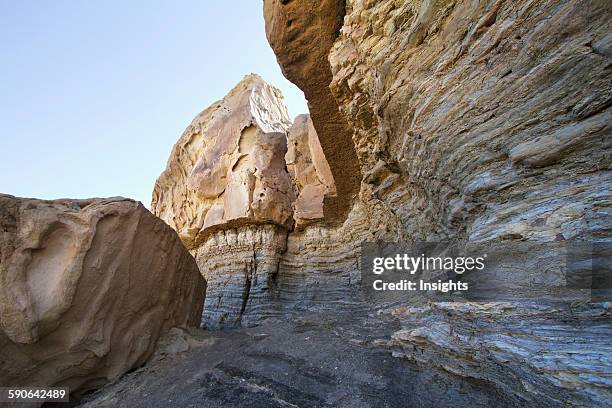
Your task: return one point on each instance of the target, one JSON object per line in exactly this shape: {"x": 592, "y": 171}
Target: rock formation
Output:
{"x": 309, "y": 171}
{"x": 302, "y": 33}
{"x": 228, "y": 167}
{"x": 280, "y": 254}
{"x": 480, "y": 116}
{"x": 477, "y": 122}
{"x": 86, "y": 289}
{"x": 228, "y": 192}
{"x": 481, "y": 123}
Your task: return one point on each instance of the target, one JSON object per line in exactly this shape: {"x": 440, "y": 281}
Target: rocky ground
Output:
{"x": 313, "y": 361}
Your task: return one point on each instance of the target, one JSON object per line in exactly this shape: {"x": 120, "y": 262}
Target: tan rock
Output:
{"x": 309, "y": 171}
{"x": 86, "y": 289}
{"x": 228, "y": 167}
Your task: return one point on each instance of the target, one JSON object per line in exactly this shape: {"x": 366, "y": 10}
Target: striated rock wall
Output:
{"x": 486, "y": 120}
{"x": 241, "y": 267}
{"x": 87, "y": 287}
{"x": 478, "y": 122}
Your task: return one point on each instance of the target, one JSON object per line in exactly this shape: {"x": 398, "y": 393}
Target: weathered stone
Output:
{"x": 476, "y": 122}
{"x": 227, "y": 192}
{"x": 241, "y": 269}
{"x": 232, "y": 189}
{"x": 228, "y": 167}
{"x": 309, "y": 170}
{"x": 482, "y": 121}
{"x": 540, "y": 354}
{"x": 479, "y": 115}
{"x": 86, "y": 289}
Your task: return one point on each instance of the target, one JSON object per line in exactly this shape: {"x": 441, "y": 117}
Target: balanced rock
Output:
{"x": 241, "y": 187}
{"x": 87, "y": 287}
{"x": 227, "y": 192}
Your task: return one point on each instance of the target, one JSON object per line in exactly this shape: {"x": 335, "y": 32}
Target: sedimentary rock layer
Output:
{"x": 241, "y": 269}
{"x": 86, "y": 289}
{"x": 481, "y": 120}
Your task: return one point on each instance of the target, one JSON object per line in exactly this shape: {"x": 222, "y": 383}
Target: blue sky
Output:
{"x": 94, "y": 94}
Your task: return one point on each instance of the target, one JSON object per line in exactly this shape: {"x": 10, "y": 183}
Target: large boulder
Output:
{"x": 87, "y": 287}
{"x": 228, "y": 167}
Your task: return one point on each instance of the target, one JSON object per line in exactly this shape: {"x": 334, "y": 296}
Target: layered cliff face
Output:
{"x": 87, "y": 287}
{"x": 477, "y": 122}
{"x": 483, "y": 123}
{"x": 234, "y": 191}
{"x": 491, "y": 118}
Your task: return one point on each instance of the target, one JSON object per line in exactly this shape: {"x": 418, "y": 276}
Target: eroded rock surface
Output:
{"x": 87, "y": 287}
{"x": 227, "y": 192}
{"x": 241, "y": 200}
{"x": 481, "y": 119}
{"x": 241, "y": 268}
{"x": 477, "y": 122}
{"x": 228, "y": 167}
{"x": 309, "y": 170}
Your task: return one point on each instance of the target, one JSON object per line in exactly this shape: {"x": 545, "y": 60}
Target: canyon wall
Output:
{"x": 480, "y": 123}
{"x": 87, "y": 287}
{"x": 306, "y": 30}
{"x": 491, "y": 118}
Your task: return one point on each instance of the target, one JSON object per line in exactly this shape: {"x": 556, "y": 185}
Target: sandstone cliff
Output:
{"x": 87, "y": 287}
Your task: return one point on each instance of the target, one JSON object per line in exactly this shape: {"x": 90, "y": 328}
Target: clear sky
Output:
{"x": 94, "y": 94}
